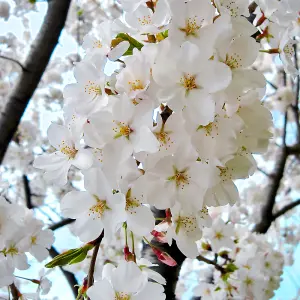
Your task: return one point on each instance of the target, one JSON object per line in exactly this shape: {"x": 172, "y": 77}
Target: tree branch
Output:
{"x": 61, "y": 224}
{"x": 295, "y": 106}
{"x": 267, "y": 210}
{"x": 211, "y": 262}
{"x": 68, "y": 275}
{"x": 14, "y": 291}
{"x": 97, "y": 244}
{"x": 35, "y": 66}
{"x": 15, "y": 61}
{"x": 27, "y": 192}
{"x": 285, "y": 209}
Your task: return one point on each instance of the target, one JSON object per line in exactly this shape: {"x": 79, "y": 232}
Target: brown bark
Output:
{"x": 32, "y": 71}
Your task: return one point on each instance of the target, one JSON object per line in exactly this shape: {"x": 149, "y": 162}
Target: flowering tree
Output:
{"x": 162, "y": 152}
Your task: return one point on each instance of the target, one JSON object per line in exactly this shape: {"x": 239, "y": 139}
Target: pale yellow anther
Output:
{"x": 136, "y": 85}
{"x": 67, "y": 150}
{"x": 145, "y": 20}
{"x": 191, "y": 27}
{"x": 99, "y": 208}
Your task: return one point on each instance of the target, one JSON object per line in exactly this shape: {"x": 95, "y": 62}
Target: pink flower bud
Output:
{"x": 164, "y": 257}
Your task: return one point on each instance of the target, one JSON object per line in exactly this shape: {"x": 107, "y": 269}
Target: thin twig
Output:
{"x": 61, "y": 224}
{"x": 15, "y": 61}
{"x": 97, "y": 244}
{"x": 272, "y": 85}
{"x": 211, "y": 262}
{"x": 263, "y": 172}
{"x": 285, "y": 209}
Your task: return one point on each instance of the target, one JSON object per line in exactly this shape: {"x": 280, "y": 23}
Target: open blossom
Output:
{"x": 187, "y": 229}
{"x": 220, "y": 235}
{"x": 67, "y": 153}
{"x": 127, "y": 127}
{"x": 178, "y": 178}
{"x": 90, "y": 87}
{"x": 144, "y": 20}
{"x": 98, "y": 46}
{"x": 189, "y": 84}
{"x": 126, "y": 281}
{"x": 95, "y": 209}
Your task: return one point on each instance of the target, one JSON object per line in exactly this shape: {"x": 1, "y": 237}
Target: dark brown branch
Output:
{"x": 97, "y": 244}
{"x": 252, "y": 7}
{"x": 14, "y": 291}
{"x": 295, "y": 106}
{"x": 14, "y": 61}
{"x": 267, "y": 210}
{"x": 68, "y": 275}
{"x": 35, "y": 65}
{"x": 61, "y": 224}
{"x": 27, "y": 192}
{"x": 285, "y": 209}
{"x": 211, "y": 262}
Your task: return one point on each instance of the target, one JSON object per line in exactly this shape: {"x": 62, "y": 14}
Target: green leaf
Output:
{"x": 80, "y": 12}
{"x": 32, "y": 1}
{"x": 70, "y": 257}
{"x": 231, "y": 268}
{"x": 133, "y": 42}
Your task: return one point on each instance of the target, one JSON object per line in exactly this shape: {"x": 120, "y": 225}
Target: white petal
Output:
{"x": 118, "y": 51}
{"x": 101, "y": 290}
{"x": 83, "y": 159}
{"x": 140, "y": 220}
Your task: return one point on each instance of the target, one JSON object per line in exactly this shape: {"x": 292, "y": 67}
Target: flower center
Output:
{"x": 289, "y": 49}
{"x": 122, "y": 296}
{"x": 191, "y": 27}
{"x": 164, "y": 139}
{"x": 187, "y": 223}
{"x": 97, "y": 44}
{"x": 219, "y": 235}
{"x": 92, "y": 88}
{"x": 33, "y": 240}
{"x": 99, "y": 208}
{"x": 145, "y": 20}
{"x": 136, "y": 85}
{"x": 224, "y": 173}
{"x": 233, "y": 61}
{"x": 209, "y": 128}
{"x": 131, "y": 202}
{"x": 12, "y": 250}
{"x": 67, "y": 150}
{"x": 188, "y": 81}
{"x": 233, "y": 8}
{"x": 181, "y": 178}
{"x": 122, "y": 129}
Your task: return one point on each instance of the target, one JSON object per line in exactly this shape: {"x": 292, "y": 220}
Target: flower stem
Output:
{"x": 97, "y": 244}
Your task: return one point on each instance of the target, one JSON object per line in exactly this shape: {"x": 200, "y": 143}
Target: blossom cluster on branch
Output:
{"x": 165, "y": 112}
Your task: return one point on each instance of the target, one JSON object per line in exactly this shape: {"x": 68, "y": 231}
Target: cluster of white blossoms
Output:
{"x": 248, "y": 266}
{"x": 21, "y": 234}
{"x": 176, "y": 122}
